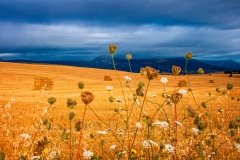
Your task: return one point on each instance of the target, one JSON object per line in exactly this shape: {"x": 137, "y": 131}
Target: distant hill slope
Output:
{"x": 162, "y": 64}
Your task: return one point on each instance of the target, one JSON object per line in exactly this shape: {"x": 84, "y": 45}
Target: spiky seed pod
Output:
{"x": 71, "y": 115}
{"x": 80, "y": 85}
{"x": 87, "y": 97}
{"x": 176, "y": 70}
{"x": 51, "y": 100}
{"x": 149, "y": 72}
{"x": 71, "y": 103}
{"x": 140, "y": 85}
{"x": 218, "y": 90}
{"x": 111, "y": 99}
{"x": 229, "y": 86}
{"x": 112, "y": 48}
{"x": 176, "y": 98}
{"x": 128, "y": 56}
{"x": 2, "y": 156}
{"x": 140, "y": 92}
{"x": 204, "y": 104}
{"x": 188, "y": 55}
{"x": 78, "y": 125}
{"x": 200, "y": 71}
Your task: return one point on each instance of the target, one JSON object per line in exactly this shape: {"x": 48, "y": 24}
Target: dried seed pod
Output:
{"x": 87, "y": 97}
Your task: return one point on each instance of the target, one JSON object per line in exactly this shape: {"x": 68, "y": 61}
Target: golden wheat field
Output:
{"x": 25, "y": 110}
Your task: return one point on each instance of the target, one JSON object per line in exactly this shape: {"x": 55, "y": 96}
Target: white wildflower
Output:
{"x": 161, "y": 124}
{"x": 109, "y": 88}
{"x": 53, "y": 154}
{"x": 148, "y": 143}
{"x": 102, "y": 132}
{"x": 179, "y": 123}
{"x": 35, "y": 157}
{"x": 169, "y": 148}
{"x": 182, "y": 91}
{"x": 128, "y": 78}
{"x": 45, "y": 111}
{"x": 153, "y": 95}
{"x": 112, "y": 147}
{"x": 118, "y": 100}
{"x": 195, "y": 131}
{"x": 25, "y": 136}
{"x": 138, "y": 103}
{"x": 164, "y": 80}
{"x": 12, "y": 100}
{"x": 8, "y": 105}
{"x": 237, "y": 146}
{"x": 87, "y": 154}
{"x": 138, "y": 125}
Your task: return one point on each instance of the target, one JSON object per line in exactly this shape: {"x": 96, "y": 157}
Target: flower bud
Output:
{"x": 112, "y": 48}
{"x": 176, "y": 70}
{"x": 128, "y": 56}
{"x": 188, "y": 55}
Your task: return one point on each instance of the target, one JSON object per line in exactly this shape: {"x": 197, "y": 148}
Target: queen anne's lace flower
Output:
{"x": 102, "y": 132}
{"x": 148, "y": 143}
{"x": 237, "y": 146}
{"x": 113, "y": 147}
{"x": 164, "y": 80}
{"x": 25, "y": 136}
{"x": 109, "y": 88}
{"x": 87, "y": 154}
{"x": 128, "y": 78}
{"x": 160, "y": 124}
{"x": 179, "y": 123}
{"x": 195, "y": 131}
{"x": 182, "y": 91}
{"x": 169, "y": 148}
{"x": 138, "y": 125}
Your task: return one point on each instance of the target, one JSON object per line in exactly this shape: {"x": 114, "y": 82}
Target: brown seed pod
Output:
{"x": 87, "y": 97}
{"x": 176, "y": 98}
{"x": 176, "y": 70}
{"x": 149, "y": 72}
{"x": 112, "y": 48}
{"x": 188, "y": 55}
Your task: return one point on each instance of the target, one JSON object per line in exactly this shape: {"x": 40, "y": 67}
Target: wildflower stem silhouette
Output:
{"x": 99, "y": 118}
{"x": 81, "y": 132}
{"x": 129, "y": 64}
{"x": 38, "y": 129}
{"x": 189, "y": 85}
{"x": 70, "y": 147}
{"x": 140, "y": 115}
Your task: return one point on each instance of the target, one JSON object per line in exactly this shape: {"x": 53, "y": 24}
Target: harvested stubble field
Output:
{"x": 26, "y": 106}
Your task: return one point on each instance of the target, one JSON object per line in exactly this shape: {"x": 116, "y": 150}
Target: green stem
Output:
{"x": 70, "y": 139}
{"x": 129, "y": 64}
{"x": 140, "y": 115}
{"x": 81, "y": 132}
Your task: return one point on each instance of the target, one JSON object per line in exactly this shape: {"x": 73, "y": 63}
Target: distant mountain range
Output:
{"x": 162, "y": 64}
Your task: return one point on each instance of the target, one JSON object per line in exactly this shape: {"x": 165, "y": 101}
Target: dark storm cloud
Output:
{"x": 216, "y": 13}
{"x": 58, "y": 29}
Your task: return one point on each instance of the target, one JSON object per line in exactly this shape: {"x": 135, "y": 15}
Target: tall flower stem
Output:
{"x": 70, "y": 139}
{"x": 81, "y": 132}
{"x": 37, "y": 131}
{"x": 114, "y": 66}
{"x": 140, "y": 115}
{"x": 129, "y": 64}
{"x": 186, "y": 72}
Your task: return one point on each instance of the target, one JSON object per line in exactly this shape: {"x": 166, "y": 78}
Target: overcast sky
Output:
{"x": 78, "y": 29}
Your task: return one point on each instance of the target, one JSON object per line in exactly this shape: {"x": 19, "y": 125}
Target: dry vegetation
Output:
{"x": 33, "y": 125}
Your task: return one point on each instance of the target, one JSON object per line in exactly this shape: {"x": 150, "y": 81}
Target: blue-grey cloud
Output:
{"x": 62, "y": 40}
{"x": 215, "y": 13}
{"x": 60, "y": 29}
